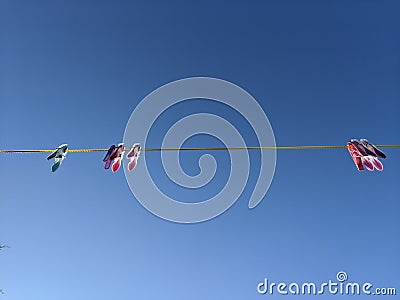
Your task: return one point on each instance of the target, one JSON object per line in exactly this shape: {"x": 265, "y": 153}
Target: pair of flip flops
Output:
{"x": 59, "y": 154}
{"x": 133, "y": 156}
{"x": 365, "y": 154}
{"x": 114, "y": 155}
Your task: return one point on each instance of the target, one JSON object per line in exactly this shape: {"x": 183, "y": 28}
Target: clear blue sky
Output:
{"x": 73, "y": 71}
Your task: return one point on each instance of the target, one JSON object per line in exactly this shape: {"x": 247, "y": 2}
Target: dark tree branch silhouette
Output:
{"x": 2, "y": 247}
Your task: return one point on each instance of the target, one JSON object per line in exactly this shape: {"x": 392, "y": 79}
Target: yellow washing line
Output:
{"x": 198, "y": 149}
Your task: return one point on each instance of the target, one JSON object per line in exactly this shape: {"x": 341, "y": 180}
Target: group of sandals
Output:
{"x": 364, "y": 154}
{"x": 113, "y": 158}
